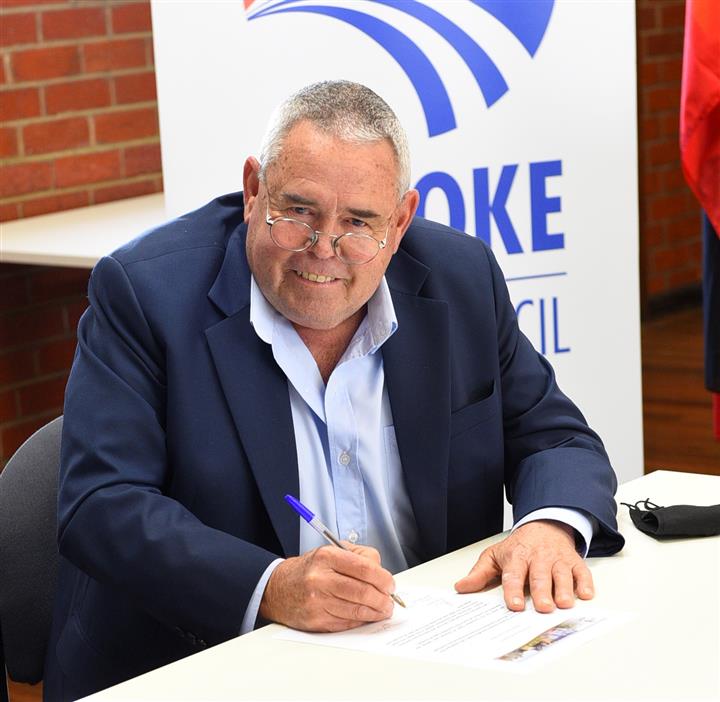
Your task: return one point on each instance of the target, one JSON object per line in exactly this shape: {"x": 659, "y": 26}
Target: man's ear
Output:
{"x": 405, "y": 213}
{"x": 251, "y": 184}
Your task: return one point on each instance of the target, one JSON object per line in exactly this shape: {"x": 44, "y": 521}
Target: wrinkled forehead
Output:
{"x": 316, "y": 164}
{"x": 308, "y": 151}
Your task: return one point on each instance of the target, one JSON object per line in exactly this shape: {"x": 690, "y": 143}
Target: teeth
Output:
{"x": 315, "y": 278}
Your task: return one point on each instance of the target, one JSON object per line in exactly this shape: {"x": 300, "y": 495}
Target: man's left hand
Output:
{"x": 541, "y": 554}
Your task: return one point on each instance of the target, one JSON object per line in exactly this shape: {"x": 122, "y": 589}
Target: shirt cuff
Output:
{"x": 584, "y": 524}
{"x": 248, "y": 622}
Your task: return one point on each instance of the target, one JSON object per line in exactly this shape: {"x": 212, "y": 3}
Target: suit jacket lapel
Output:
{"x": 417, "y": 370}
{"x": 256, "y": 392}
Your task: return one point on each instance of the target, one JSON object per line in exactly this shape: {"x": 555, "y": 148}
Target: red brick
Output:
{"x": 646, "y": 18}
{"x": 686, "y": 228}
{"x": 655, "y": 285}
{"x": 649, "y": 73}
{"x": 88, "y": 168}
{"x": 663, "y": 44}
{"x": 8, "y": 406}
{"x": 55, "y": 283}
{"x": 56, "y": 135}
{"x": 22, "y": 178}
{"x": 142, "y": 159}
{"x": 671, "y": 259}
{"x": 673, "y": 179}
{"x": 667, "y": 206}
{"x": 17, "y": 29}
{"x": 14, "y": 292}
{"x": 14, "y": 436}
{"x": 5, "y": 4}
{"x": 77, "y": 95}
{"x": 650, "y": 183}
{"x": 664, "y": 152}
{"x": 2, "y": 72}
{"x": 25, "y": 326}
{"x": 56, "y": 356}
{"x": 670, "y": 70}
{"x": 16, "y": 367}
{"x": 663, "y": 98}
{"x": 73, "y": 23}
{"x": 652, "y": 236}
{"x": 649, "y": 128}
{"x": 19, "y": 104}
{"x": 695, "y": 251}
{"x": 9, "y": 211}
{"x": 125, "y": 190}
{"x": 48, "y": 62}
{"x": 42, "y": 396}
{"x": 8, "y": 142}
{"x": 689, "y": 276}
{"x": 55, "y": 203}
{"x": 672, "y": 15}
{"x": 670, "y": 124}
{"x": 74, "y": 311}
{"x": 125, "y": 126}
{"x": 114, "y": 55}
{"x": 133, "y": 17}
{"x": 136, "y": 87}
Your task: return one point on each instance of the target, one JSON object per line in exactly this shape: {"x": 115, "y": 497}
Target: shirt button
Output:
{"x": 353, "y": 536}
{"x": 344, "y": 458}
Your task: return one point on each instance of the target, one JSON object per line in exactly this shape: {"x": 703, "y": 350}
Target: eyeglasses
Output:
{"x": 353, "y": 248}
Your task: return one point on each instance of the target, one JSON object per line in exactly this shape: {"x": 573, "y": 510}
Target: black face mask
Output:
{"x": 675, "y": 521}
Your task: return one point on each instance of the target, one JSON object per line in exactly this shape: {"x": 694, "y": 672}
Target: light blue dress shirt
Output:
{"x": 348, "y": 459}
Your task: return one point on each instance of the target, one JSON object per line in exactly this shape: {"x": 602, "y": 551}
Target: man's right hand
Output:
{"x": 328, "y": 589}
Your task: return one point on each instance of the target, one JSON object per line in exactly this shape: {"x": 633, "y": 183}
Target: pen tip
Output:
{"x": 398, "y": 599}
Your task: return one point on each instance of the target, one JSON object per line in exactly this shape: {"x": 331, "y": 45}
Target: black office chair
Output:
{"x": 28, "y": 554}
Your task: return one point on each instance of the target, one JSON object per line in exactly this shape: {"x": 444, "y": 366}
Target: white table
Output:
{"x": 78, "y": 238}
{"x": 669, "y": 650}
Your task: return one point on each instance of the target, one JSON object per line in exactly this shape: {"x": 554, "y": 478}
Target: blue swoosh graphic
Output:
{"x": 433, "y": 96}
{"x": 526, "y": 20}
{"x": 489, "y": 79}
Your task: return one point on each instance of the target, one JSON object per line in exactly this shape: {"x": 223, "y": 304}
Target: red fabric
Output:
{"x": 716, "y": 415}
{"x": 700, "y": 105}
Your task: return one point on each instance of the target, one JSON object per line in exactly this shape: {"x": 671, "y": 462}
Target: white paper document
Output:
{"x": 475, "y": 630}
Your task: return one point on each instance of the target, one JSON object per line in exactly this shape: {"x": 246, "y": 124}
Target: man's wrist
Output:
{"x": 583, "y": 524}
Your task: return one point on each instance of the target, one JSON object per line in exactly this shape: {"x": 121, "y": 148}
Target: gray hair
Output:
{"x": 349, "y": 111}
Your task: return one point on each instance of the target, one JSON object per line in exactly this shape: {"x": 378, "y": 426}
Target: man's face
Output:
{"x": 327, "y": 183}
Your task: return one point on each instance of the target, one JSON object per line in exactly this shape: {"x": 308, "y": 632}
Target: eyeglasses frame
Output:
{"x": 315, "y": 236}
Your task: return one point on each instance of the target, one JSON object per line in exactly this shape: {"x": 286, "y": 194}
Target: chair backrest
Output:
{"x": 28, "y": 551}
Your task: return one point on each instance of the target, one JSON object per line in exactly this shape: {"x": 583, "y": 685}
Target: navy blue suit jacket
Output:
{"x": 178, "y": 440}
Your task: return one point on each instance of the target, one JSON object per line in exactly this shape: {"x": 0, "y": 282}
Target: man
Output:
{"x": 310, "y": 337}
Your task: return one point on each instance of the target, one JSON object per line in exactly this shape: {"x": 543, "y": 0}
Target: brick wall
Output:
{"x": 79, "y": 127}
{"x": 670, "y": 241}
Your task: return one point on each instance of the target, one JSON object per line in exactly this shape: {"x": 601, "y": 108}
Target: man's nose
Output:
{"x": 323, "y": 247}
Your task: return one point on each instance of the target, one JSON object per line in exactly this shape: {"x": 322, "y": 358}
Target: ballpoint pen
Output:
{"x": 314, "y": 521}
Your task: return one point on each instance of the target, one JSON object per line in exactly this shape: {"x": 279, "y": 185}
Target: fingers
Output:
{"x": 541, "y": 572}
{"x": 539, "y": 557}
{"x": 362, "y": 564}
{"x": 482, "y": 573}
{"x": 328, "y": 589}
{"x": 584, "y": 586}
{"x": 365, "y": 551}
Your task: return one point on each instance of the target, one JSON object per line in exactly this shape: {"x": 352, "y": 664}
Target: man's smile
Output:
{"x": 315, "y": 277}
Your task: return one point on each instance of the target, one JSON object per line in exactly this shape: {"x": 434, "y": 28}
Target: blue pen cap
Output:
{"x": 299, "y": 507}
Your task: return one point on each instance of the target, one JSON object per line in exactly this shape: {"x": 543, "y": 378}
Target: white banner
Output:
{"x": 521, "y": 117}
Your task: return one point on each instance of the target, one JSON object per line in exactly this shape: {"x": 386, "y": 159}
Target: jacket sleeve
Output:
{"x": 116, "y": 521}
{"x": 552, "y": 457}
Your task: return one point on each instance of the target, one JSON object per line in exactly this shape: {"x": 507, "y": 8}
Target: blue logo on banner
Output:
{"x": 527, "y": 21}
